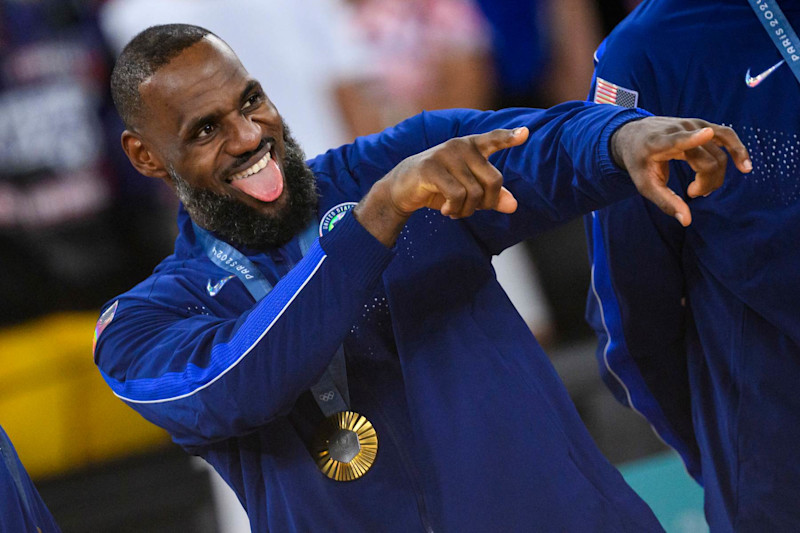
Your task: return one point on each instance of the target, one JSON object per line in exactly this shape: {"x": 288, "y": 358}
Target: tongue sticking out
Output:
{"x": 265, "y": 185}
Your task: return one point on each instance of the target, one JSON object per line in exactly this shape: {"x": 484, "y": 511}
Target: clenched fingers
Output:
{"x": 466, "y": 160}
{"x": 709, "y": 163}
{"x": 709, "y": 160}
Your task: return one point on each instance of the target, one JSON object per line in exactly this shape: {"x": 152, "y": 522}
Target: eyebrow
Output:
{"x": 252, "y": 84}
{"x": 197, "y": 122}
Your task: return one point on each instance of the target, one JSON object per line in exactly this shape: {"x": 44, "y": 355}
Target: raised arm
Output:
{"x": 457, "y": 179}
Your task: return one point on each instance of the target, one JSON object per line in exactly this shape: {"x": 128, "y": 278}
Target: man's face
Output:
{"x": 221, "y": 142}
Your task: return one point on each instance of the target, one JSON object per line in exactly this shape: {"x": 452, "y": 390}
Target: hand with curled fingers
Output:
{"x": 454, "y": 177}
{"x": 644, "y": 148}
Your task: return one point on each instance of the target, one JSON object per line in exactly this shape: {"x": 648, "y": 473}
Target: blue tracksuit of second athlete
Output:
{"x": 700, "y": 327}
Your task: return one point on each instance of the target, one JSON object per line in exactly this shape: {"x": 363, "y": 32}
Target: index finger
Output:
{"x": 674, "y": 145}
{"x": 727, "y": 138}
{"x": 499, "y": 139}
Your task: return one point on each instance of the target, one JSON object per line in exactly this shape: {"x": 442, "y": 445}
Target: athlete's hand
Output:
{"x": 644, "y": 148}
{"x": 454, "y": 177}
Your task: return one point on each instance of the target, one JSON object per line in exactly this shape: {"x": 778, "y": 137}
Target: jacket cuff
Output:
{"x": 349, "y": 242}
{"x": 609, "y": 170}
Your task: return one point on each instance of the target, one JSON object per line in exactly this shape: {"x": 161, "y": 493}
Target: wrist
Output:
{"x": 378, "y": 214}
{"x": 618, "y": 141}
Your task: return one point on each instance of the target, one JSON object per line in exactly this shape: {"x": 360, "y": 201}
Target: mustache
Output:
{"x": 245, "y": 157}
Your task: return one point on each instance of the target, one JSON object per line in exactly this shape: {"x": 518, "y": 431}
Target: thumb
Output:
{"x": 506, "y": 203}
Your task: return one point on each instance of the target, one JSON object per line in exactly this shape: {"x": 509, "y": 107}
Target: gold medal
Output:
{"x": 345, "y": 446}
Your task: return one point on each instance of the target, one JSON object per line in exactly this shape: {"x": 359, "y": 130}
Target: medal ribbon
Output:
{"x": 780, "y": 31}
{"x": 331, "y": 391}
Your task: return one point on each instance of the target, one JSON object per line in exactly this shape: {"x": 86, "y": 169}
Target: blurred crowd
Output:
{"x": 79, "y": 225}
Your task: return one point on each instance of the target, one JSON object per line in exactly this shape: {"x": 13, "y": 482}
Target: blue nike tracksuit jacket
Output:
{"x": 700, "y": 327}
{"x": 21, "y": 508}
{"x": 476, "y": 431}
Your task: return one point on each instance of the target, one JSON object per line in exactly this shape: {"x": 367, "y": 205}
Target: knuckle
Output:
{"x": 478, "y": 139}
{"x": 653, "y": 139}
{"x": 429, "y": 164}
{"x": 475, "y": 191}
{"x": 450, "y": 147}
{"x": 452, "y": 143}
{"x": 493, "y": 184}
{"x": 706, "y": 164}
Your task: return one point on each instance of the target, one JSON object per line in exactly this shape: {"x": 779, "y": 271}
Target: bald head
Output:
{"x": 144, "y": 56}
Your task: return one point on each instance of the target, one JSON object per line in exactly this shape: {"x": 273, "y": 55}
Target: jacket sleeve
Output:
{"x": 205, "y": 378}
{"x": 562, "y": 171}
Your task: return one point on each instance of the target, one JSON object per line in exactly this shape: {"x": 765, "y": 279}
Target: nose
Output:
{"x": 245, "y": 136}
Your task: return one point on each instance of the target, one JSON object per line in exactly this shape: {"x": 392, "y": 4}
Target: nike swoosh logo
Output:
{"x": 753, "y": 81}
{"x": 213, "y": 290}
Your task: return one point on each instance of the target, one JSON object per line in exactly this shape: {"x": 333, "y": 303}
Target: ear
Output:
{"x": 141, "y": 157}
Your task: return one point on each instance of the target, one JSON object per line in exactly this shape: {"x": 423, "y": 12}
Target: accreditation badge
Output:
{"x": 345, "y": 446}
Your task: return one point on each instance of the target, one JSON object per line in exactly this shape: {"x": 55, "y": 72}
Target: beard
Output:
{"x": 240, "y": 224}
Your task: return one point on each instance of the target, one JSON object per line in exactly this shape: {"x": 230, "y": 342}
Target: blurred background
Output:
{"x": 78, "y": 225}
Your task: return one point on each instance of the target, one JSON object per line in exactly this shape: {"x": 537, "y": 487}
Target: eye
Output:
{"x": 252, "y": 100}
{"x": 206, "y": 130}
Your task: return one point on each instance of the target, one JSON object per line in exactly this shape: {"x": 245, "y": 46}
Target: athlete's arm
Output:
{"x": 456, "y": 178}
{"x": 207, "y": 376}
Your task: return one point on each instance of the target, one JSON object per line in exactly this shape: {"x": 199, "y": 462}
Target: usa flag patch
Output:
{"x": 609, "y": 93}
{"x": 104, "y": 320}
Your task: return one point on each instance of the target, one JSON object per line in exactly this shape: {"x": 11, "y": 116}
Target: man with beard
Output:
{"x": 332, "y": 338}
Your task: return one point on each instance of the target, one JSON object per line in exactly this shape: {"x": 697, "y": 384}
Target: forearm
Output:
{"x": 564, "y": 170}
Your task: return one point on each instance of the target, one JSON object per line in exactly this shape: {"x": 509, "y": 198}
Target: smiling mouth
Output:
{"x": 257, "y": 167}
{"x": 263, "y": 180}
